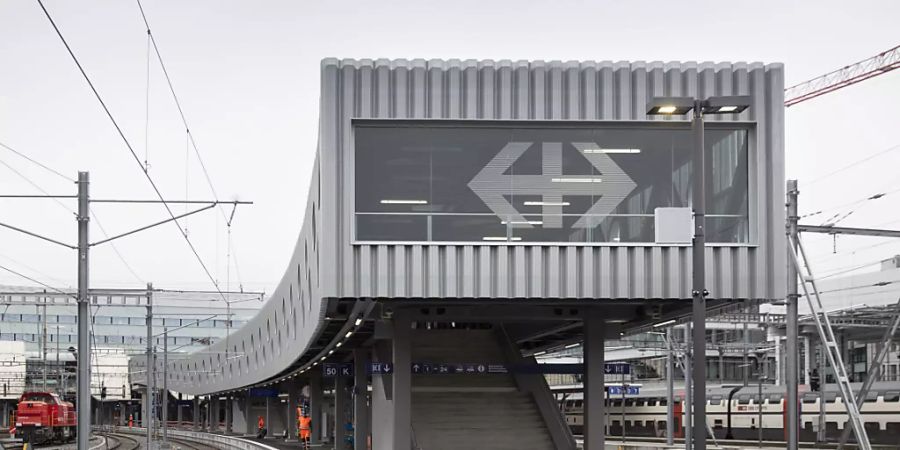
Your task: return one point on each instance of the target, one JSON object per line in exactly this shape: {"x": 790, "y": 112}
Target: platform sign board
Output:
{"x": 623, "y": 390}
{"x": 263, "y": 392}
{"x": 337, "y": 370}
{"x": 617, "y": 368}
{"x": 380, "y": 368}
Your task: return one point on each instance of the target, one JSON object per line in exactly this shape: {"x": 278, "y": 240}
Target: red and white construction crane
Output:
{"x": 854, "y": 73}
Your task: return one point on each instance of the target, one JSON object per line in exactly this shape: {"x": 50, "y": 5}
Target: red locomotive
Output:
{"x": 44, "y": 417}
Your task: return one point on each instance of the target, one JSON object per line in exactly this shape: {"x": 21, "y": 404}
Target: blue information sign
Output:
{"x": 628, "y": 390}
{"x": 617, "y": 368}
{"x": 263, "y": 392}
{"x": 337, "y": 369}
{"x": 380, "y": 368}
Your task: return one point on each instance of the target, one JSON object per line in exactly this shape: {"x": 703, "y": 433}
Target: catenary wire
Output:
{"x": 36, "y": 162}
{"x": 36, "y": 281}
{"x": 36, "y": 186}
{"x": 852, "y": 288}
{"x": 41, "y": 273}
{"x": 854, "y": 250}
{"x": 847, "y": 269}
{"x": 856, "y": 202}
{"x": 128, "y": 145}
{"x": 854, "y": 164}
{"x": 147, "y": 111}
{"x": 115, "y": 248}
{"x": 96, "y": 218}
{"x": 187, "y": 128}
{"x": 189, "y": 135}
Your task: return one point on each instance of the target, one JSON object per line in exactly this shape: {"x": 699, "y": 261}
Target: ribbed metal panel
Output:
{"x": 282, "y": 331}
{"x": 538, "y": 90}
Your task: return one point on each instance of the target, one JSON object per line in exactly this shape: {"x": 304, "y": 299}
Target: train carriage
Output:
{"x": 645, "y": 414}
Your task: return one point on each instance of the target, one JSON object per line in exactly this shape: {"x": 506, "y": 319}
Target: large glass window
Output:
{"x": 482, "y": 182}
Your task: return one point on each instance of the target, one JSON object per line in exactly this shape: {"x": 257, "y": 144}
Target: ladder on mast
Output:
{"x": 826, "y": 333}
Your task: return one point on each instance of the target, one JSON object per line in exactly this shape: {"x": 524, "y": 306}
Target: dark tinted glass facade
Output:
{"x": 483, "y": 182}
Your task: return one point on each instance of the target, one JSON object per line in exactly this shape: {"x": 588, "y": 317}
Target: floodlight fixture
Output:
{"x": 670, "y": 106}
{"x": 677, "y": 106}
{"x": 730, "y": 104}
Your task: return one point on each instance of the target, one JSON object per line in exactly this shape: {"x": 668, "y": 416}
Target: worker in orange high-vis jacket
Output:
{"x": 261, "y": 430}
{"x": 305, "y": 429}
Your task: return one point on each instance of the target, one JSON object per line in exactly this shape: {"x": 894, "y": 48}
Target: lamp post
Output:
{"x": 681, "y": 106}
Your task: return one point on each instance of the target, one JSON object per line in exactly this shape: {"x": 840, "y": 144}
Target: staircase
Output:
{"x": 451, "y": 412}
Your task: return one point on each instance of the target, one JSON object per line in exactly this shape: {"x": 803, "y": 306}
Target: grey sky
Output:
{"x": 247, "y": 75}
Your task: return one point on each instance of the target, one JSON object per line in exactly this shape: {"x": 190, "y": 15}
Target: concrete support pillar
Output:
{"x": 293, "y": 390}
{"x": 402, "y": 355}
{"x": 179, "y": 414}
{"x": 270, "y": 429}
{"x": 360, "y": 399}
{"x": 214, "y": 413}
{"x": 340, "y": 411}
{"x": 249, "y": 421}
{"x": 144, "y": 399}
{"x": 382, "y": 391}
{"x": 594, "y": 390}
{"x": 195, "y": 413}
{"x": 229, "y": 414}
{"x": 315, "y": 407}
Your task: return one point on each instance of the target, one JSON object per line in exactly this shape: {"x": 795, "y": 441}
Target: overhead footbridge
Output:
{"x": 474, "y": 213}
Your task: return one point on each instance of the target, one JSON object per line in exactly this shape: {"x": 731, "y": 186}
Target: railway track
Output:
{"x": 188, "y": 445}
{"x": 117, "y": 441}
{"x": 120, "y": 441}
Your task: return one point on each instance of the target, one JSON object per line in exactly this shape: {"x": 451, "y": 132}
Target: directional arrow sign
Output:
{"x": 627, "y": 390}
{"x": 610, "y": 186}
{"x": 617, "y": 368}
{"x": 379, "y": 368}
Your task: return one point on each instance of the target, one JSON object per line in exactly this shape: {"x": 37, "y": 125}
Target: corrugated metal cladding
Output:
{"x": 327, "y": 264}
{"x": 537, "y": 90}
{"x": 281, "y": 332}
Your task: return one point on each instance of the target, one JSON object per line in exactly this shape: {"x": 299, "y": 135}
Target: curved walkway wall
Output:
{"x": 328, "y": 264}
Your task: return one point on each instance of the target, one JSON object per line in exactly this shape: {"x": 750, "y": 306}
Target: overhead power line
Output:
{"x": 35, "y": 162}
{"x": 35, "y": 281}
{"x": 190, "y": 136}
{"x": 96, "y": 218}
{"x": 848, "y": 269}
{"x": 841, "y": 215}
{"x": 128, "y": 145}
{"x": 38, "y": 187}
{"x": 45, "y": 275}
{"x": 115, "y": 248}
{"x": 855, "y": 163}
{"x": 184, "y": 121}
{"x": 852, "y": 288}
